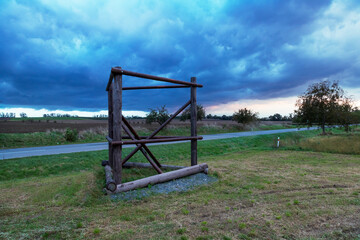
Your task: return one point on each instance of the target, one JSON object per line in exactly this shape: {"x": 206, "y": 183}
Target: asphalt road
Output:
{"x": 86, "y": 147}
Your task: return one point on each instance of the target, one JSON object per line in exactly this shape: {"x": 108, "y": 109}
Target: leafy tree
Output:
{"x": 346, "y": 114}
{"x": 159, "y": 115}
{"x": 322, "y": 104}
{"x": 245, "y": 116}
{"x": 276, "y": 117}
{"x": 23, "y": 115}
{"x": 187, "y": 115}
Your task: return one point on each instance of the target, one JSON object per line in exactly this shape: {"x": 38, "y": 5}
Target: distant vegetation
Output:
{"x": 325, "y": 104}
{"x": 278, "y": 117}
{"x": 7, "y": 115}
{"x": 57, "y": 115}
{"x": 200, "y": 113}
{"x": 245, "y": 116}
{"x": 87, "y": 133}
{"x": 159, "y": 115}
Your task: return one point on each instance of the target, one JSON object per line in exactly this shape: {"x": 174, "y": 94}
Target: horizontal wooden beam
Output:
{"x": 155, "y": 87}
{"x": 155, "y": 137}
{"x": 155, "y": 140}
{"x": 144, "y": 137}
{"x": 164, "y": 177}
{"x": 116, "y": 70}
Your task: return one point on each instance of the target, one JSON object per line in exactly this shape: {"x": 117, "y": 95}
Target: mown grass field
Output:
{"x": 301, "y": 191}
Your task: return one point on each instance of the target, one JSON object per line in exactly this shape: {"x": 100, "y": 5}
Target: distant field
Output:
{"x": 43, "y": 125}
{"x": 262, "y": 193}
{"x": 43, "y": 133}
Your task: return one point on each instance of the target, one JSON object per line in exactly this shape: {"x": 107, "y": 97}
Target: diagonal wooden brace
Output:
{"x": 157, "y": 130}
{"x": 132, "y": 130}
{"x": 156, "y": 167}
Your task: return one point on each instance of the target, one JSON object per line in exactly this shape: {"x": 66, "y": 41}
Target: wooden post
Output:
{"x": 110, "y": 124}
{"x": 117, "y": 121}
{"x": 193, "y": 114}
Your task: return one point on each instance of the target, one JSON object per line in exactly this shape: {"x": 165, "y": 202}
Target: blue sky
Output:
{"x": 57, "y": 55}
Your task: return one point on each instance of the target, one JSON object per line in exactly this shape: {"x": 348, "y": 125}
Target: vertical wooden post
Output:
{"x": 110, "y": 124}
{"x": 117, "y": 121}
{"x": 193, "y": 114}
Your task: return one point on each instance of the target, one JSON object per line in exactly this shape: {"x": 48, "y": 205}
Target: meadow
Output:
{"x": 45, "y": 132}
{"x": 303, "y": 190}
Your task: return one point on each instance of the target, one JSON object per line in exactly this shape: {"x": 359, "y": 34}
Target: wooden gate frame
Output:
{"x": 116, "y": 122}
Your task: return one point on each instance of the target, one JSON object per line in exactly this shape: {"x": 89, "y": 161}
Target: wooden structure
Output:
{"x": 117, "y": 122}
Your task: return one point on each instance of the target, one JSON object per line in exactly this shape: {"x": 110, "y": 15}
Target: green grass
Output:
{"x": 56, "y": 137}
{"x": 263, "y": 192}
{"x": 16, "y": 140}
{"x": 179, "y": 153}
{"x": 274, "y": 127}
{"x": 333, "y": 143}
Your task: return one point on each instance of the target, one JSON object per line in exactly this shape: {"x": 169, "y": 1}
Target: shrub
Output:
{"x": 71, "y": 135}
{"x": 160, "y": 115}
{"x": 200, "y": 113}
{"x": 245, "y": 116}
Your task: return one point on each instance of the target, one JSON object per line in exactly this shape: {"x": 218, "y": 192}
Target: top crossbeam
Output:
{"x": 116, "y": 70}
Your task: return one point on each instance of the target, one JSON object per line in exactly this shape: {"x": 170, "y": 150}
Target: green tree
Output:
{"x": 276, "y": 117}
{"x": 323, "y": 104}
{"x": 200, "y": 114}
{"x": 347, "y": 114}
{"x": 245, "y": 116}
{"x": 159, "y": 115}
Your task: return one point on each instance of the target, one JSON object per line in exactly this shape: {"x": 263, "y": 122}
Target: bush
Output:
{"x": 245, "y": 116}
{"x": 187, "y": 115}
{"x": 159, "y": 115}
{"x": 71, "y": 135}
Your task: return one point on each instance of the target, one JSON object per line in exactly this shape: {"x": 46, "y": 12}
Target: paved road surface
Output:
{"x": 86, "y": 147}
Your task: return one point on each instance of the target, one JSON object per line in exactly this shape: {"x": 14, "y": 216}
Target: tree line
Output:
{"x": 322, "y": 104}
{"x": 58, "y": 115}
{"x": 7, "y": 115}
{"x": 161, "y": 114}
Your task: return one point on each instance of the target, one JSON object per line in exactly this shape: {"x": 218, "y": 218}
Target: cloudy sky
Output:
{"x": 57, "y": 55}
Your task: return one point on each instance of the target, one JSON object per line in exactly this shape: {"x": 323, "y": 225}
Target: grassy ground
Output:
{"x": 262, "y": 192}
{"x": 56, "y": 137}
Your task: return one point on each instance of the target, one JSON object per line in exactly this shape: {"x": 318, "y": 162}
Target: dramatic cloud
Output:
{"x": 58, "y": 54}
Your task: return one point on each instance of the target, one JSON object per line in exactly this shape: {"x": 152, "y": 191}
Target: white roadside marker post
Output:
{"x": 278, "y": 142}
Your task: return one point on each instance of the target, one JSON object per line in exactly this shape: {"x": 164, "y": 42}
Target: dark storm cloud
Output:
{"x": 59, "y": 55}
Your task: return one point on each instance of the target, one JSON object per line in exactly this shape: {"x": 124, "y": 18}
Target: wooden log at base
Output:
{"x": 148, "y": 165}
{"x": 164, "y": 177}
{"x": 110, "y": 183}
